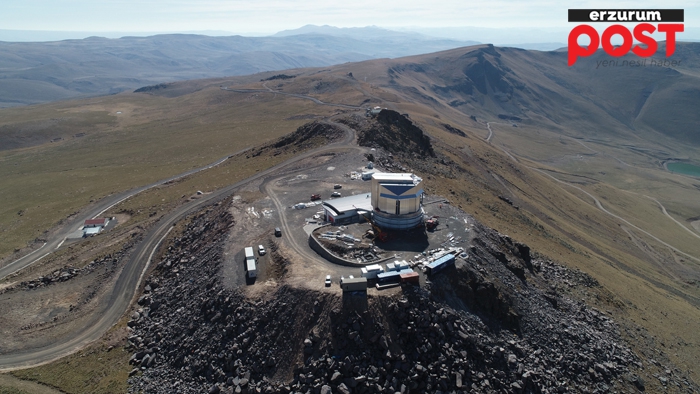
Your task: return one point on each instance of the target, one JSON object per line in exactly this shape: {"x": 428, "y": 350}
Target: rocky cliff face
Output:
{"x": 497, "y": 322}
{"x": 392, "y": 132}
{"x": 304, "y": 137}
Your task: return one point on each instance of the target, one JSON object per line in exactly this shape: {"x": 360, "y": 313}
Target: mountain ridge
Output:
{"x": 98, "y": 66}
{"x": 565, "y": 160}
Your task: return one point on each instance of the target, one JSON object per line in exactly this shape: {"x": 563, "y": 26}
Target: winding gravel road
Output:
{"x": 98, "y": 209}
{"x": 125, "y": 289}
{"x": 295, "y": 242}
{"x": 599, "y": 205}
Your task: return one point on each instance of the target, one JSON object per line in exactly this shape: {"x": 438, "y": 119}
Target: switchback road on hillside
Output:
{"x": 600, "y": 206}
{"x": 488, "y": 139}
{"x": 663, "y": 209}
{"x": 74, "y": 224}
{"x": 126, "y": 286}
{"x": 105, "y": 204}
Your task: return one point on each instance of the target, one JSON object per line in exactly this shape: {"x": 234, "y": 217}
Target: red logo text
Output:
{"x": 639, "y": 33}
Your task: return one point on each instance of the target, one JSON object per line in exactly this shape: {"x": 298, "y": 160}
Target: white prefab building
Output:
{"x": 371, "y": 271}
{"x": 396, "y": 200}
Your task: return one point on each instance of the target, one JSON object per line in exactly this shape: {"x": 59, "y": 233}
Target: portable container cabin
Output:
{"x": 250, "y": 265}
{"x": 354, "y": 284}
{"x": 441, "y": 263}
{"x": 397, "y": 265}
{"x": 251, "y": 268}
{"x": 367, "y": 175}
{"x": 392, "y": 276}
{"x": 249, "y": 254}
{"x": 411, "y": 278}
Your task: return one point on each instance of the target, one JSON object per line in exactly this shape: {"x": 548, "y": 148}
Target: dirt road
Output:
{"x": 125, "y": 288}
{"x": 56, "y": 241}
{"x": 297, "y": 240}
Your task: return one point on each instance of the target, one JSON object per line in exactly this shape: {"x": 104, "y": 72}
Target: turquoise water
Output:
{"x": 684, "y": 168}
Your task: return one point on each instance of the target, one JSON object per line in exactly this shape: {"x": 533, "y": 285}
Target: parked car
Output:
{"x": 337, "y": 186}
{"x": 328, "y": 280}
{"x": 315, "y": 197}
{"x": 335, "y": 194}
{"x": 278, "y": 232}
{"x": 261, "y": 250}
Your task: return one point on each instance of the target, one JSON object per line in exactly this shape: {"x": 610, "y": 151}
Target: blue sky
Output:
{"x": 265, "y": 17}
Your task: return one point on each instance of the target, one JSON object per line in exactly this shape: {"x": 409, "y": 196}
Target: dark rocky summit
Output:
{"x": 392, "y": 131}
{"x": 497, "y": 322}
{"x": 304, "y": 137}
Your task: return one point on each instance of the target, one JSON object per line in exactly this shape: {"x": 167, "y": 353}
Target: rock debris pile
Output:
{"x": 63, "y": 274}
{"x": 494, "y": 323}
{"x": 391, "y": 131}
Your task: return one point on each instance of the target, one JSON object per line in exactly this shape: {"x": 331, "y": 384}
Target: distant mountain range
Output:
{"x": 37, "y": 72}
{"x": 652, "y": 98}
{"x": 40, "y": 72}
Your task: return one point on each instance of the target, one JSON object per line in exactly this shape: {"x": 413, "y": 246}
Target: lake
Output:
{"x": 684, "y": 168}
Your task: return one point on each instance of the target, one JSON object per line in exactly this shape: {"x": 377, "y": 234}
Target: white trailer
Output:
{"x": 251, "y": 268}
{"x": 250, "y": 265}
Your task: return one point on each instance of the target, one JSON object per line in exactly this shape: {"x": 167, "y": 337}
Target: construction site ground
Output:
{"x": 275, "y": 203}
{"x": 257, "y": 209}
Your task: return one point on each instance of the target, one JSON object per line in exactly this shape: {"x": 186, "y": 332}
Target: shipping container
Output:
{"x": 441, "y": 263}
{"x": 250, "y": 265}
{"x": 249, "y": 253}
{"x": 251, "y": 268}
{"x": 353, "y": 284}
{"x": 411, "y": 278}
{"x": 392, "y": 276}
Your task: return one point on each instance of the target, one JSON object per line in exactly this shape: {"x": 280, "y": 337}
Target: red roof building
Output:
{"x": 95, "y": 222}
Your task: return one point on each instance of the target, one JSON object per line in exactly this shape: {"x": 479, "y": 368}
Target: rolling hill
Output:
{"x": 578, "y": 150}
{"x": 39, "y": 72}
{"x": 568, "y": 160}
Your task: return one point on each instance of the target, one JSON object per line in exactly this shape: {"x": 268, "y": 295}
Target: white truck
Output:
{"x": 250, "y": 265}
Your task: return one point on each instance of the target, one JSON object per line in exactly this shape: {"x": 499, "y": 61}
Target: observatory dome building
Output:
{"x": 396, "y": 201}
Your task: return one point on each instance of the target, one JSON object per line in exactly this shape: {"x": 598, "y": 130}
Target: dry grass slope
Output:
{"x": 151, "y": 138}
{"x": 583, "y": 135}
